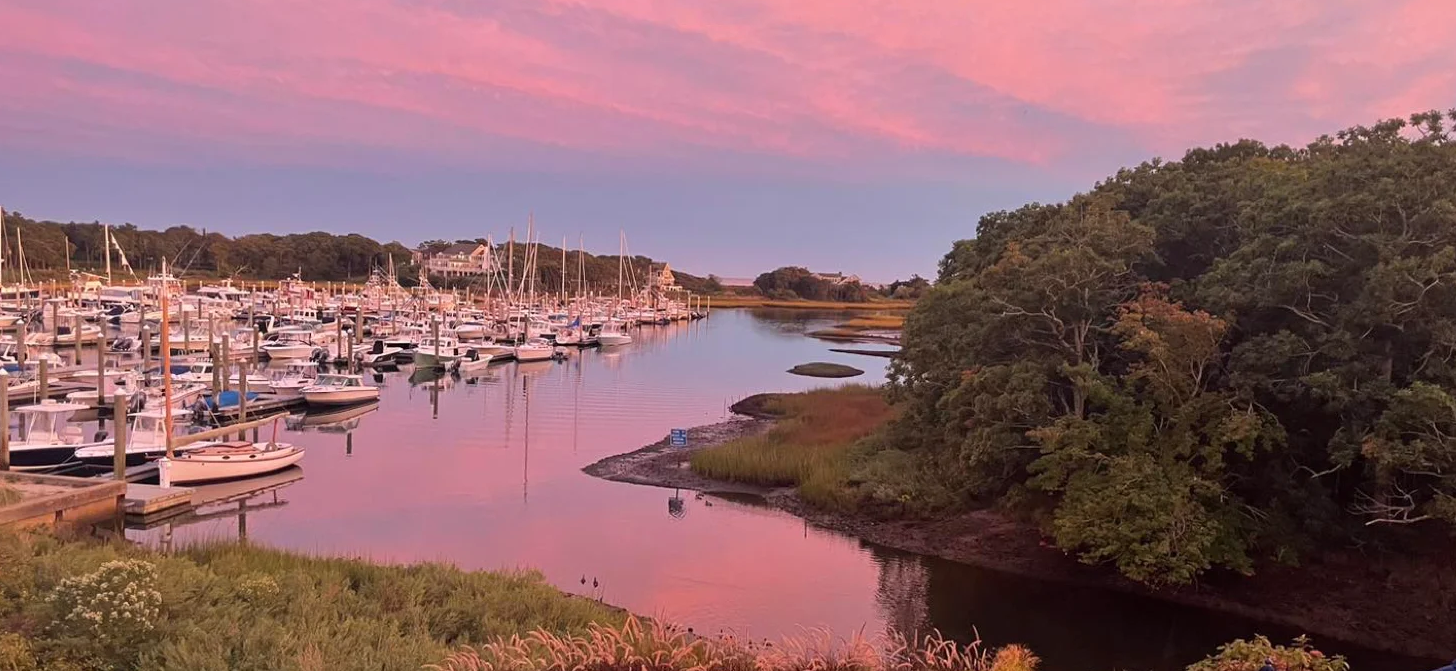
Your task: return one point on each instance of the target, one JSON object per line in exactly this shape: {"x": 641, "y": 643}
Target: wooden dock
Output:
{"x": 150, "y": 500}
{"x": 59, "y": 501}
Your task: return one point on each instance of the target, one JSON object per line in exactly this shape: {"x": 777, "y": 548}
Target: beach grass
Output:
{"x": 808, "y": 448}
{"x": 218, "y": 606}
{"x": 9, "y": 495}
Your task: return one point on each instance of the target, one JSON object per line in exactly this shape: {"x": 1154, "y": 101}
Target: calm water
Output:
{"x": 486, "y": 474}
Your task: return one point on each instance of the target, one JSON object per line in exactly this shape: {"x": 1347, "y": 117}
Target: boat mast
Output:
{"x": 106, "y": 242}
{"x": 166, "y": 365}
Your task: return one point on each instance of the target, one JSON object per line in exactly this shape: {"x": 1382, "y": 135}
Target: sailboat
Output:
{"x": 614, "y": 332}
{"x": 218, "y": 461}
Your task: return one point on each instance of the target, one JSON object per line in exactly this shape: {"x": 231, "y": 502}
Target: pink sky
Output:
{"x": 933, "y": 90}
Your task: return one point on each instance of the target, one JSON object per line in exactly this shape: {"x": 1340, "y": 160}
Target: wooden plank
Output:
{"x": 149, "y": 499}
{"x": 88, "y": 492}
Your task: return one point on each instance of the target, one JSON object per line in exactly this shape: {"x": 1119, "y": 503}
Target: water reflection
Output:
{"x": 489, "y": 476}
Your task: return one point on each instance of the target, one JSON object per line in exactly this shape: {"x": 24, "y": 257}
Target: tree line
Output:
{"x": 1247, "y": 354}
{"x": 51, "y": 247}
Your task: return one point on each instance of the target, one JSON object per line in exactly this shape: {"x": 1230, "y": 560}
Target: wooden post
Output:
{"x": 255, "y": 347}
{"x": 101, "y": 370}
{"x": 242, "y": 404}
{"x": 338, "y": 331}
{"x": 186, "y": 331}
{"x": 4, "y": 420}
{"x": 55, "y": 320}
{"x": 118, "y": 412}
{"x": 76, "y": 337}
{"x": 216, "y": 368}
{"x": 146, "y": 347}
{"x": 45, "y": 380}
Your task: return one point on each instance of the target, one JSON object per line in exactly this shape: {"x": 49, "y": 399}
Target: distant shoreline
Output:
{"x": 714, "y": 301}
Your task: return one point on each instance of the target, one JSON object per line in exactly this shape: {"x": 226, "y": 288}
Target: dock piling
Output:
{"x": 4, "y": 420}
{"x": 118, "y": 466}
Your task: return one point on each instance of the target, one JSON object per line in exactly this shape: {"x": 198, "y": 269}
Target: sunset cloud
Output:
{"x": 809, "y": 80}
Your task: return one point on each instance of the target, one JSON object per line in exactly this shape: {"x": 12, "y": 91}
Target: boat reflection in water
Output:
{"x": 223, "y": 500}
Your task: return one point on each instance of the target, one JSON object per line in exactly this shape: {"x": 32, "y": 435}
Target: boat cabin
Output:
{"x": 339, "y": 380}
{"x": 49, "y": 422}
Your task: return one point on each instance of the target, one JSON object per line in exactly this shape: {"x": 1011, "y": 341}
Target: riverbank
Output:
{"x": 1391, "y": 607}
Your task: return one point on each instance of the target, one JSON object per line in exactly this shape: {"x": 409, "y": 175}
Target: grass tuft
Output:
{"x": 654, "y": 646}
{"x": 809, "y": 448}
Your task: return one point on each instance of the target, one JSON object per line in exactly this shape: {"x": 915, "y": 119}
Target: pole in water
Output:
{"x": 4, "y": 420}
{"x": 45, "y": 380}
{"x": 76, "y": 336}
{"x": 118, "y": 466}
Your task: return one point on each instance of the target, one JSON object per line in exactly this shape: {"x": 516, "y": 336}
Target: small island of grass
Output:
{"x": 823, "y": 369}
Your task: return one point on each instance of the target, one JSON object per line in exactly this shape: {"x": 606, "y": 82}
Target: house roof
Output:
{"x": 461, "y": 249}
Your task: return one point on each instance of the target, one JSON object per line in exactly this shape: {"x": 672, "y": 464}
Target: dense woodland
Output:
{"x": 1240, "y": 356}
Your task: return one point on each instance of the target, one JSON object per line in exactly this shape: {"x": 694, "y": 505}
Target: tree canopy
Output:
{"x": 791, "y": 282}
{"x": 1203, "y": 363}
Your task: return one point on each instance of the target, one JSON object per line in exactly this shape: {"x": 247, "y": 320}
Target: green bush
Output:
{"x": 1244, "y": 655}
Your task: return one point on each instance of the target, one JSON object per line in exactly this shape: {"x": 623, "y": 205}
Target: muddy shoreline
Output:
{"x": 1389, "y": 606}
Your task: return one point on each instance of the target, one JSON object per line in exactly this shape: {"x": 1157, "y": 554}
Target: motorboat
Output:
{"x": 434, "y": 353}
{"x": 496, "y": 350}
{"x": 286, "y": 348}
{"x": 472, "y": 361}
{"x": 227, "y": 461}
{"x": 146, "y": 440}
{"x": 293, "y": 378}
{"x": 339, "y": 389}
{"x": 613, "y": 335}
{"x": 378, "y": 354}
{"x": 47, "y": 436}
{"x": 536, "y": 349}
{"x": 64, "y": 335}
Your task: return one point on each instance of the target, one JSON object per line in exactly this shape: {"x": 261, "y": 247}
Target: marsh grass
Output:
{"x": 877, "y": 322}
{"x": 654, "y": 646}
{"x": 809, "y": 448}
{"x": 243, "y": 607}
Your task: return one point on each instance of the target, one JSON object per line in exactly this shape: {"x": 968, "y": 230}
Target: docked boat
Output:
{"x": 473, "y": 361}
{"x": 291, "y": 381}
{"x": 379, "y": 354}
{"x": 613, "y": 334}
{"x": 146, "y": 440}
{"x": 440, "y": 353}
{"x": 287, "y": 348}
{"x": 536, "y": 349}
{"x": 339, "y": 389}
{"x": 47, "y": 436}
{"x": 227, "y": 461}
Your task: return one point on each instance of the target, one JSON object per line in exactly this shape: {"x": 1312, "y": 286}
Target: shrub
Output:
{"x": 1244, "y": 655}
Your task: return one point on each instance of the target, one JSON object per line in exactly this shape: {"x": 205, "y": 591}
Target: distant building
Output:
{"x": 736, "y": 281}
{"x": 458, "y": 260}
{"x": 662, "y": 278}
{"x": 837, "y": 278}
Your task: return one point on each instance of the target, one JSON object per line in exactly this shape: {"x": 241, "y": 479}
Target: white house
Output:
{"x": 459, "y": 260}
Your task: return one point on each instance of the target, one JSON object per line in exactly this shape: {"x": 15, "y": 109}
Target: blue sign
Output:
{"x": 679, "y": 437}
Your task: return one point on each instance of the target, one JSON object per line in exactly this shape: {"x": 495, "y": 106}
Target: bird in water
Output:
{"x": 583, "y": 578}
{"x": 594, "y": 583}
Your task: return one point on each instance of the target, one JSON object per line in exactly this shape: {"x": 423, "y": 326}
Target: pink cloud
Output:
{"x": 817, "y": 80}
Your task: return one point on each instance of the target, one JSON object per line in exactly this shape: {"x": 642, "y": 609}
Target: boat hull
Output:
{"x": 288, "y": 351}
{"x": 345, "y": 396}
{"x": 187, "y": 468}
